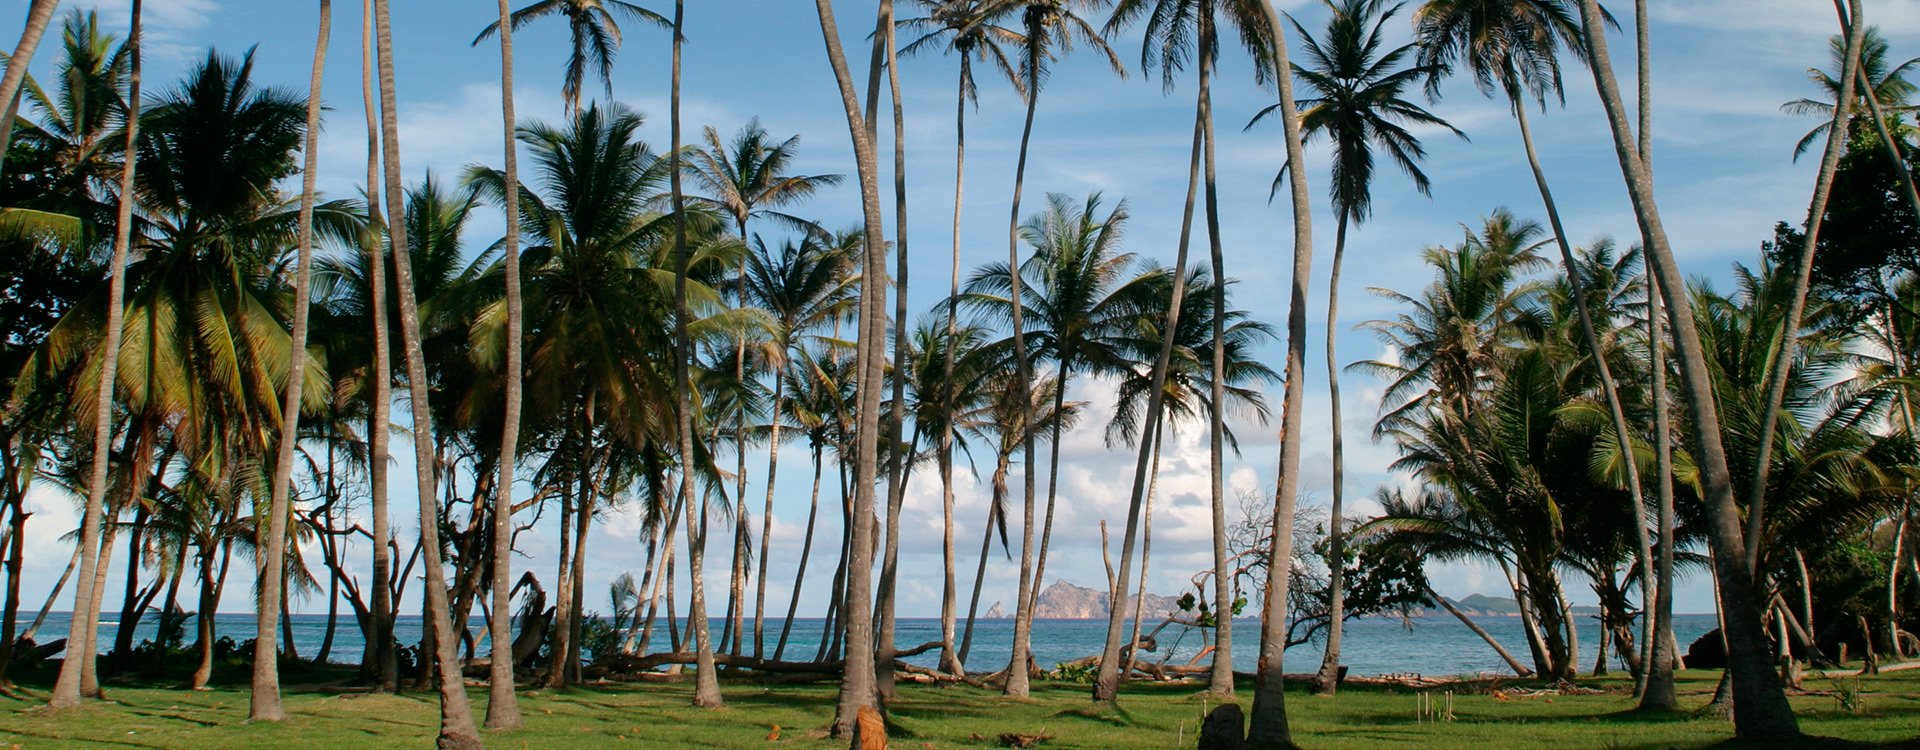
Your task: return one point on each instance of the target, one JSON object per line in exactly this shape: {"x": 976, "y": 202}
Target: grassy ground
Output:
{"x": 1147, "y": 716}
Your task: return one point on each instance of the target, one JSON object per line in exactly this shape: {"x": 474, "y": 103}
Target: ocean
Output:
{"x": 1431, "y": 646}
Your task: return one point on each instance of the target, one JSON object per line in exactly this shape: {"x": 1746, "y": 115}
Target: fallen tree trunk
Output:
{"x": 624, "y": 663}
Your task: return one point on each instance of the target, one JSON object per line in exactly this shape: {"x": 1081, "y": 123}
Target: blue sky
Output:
{"x": 1721, "y": 150}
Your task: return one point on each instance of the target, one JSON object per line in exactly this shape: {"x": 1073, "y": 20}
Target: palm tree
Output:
{"x": 1268, "y": 725}
{"x": 970, "y": 29}
{"x": 595, "y": 37}
{"x": 1513, "y": 45}
{"x": 819, "y": 383}
{"x": 456, "y": 717}
{"x": 1002, "y": 419}
{"x": 503, "y": 707}
{"x": 66, "y": 690}
{"x": 1761, "y": 710}
{"x": 1188, "y": 392}
{"x": 588, "y": 269}
{"x": 264, "y": 703}
{"x": 1358, "y": 103}
{"x": 946, "y": 368}
{"x": 381, "y": 662}
{"x": 1177, "y": 29}
{"x": 1049, "y": 28}
{"x": 857, "y": 681}
{"x": 806, "y": 286}
{"x": 1886, "y": 83}
{"x": 706, "y": 683}
{"x": 747, "y": 177}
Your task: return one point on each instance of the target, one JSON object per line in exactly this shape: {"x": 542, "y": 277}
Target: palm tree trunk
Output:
{"x": 1106, "y": 683}
{"x": 1268, "y": 726}
{"x": 1146, "y": 553}
{"x": 1327, "y": 681}
{"x": 381, "y": 658}
{"x": 952, "y": 662}
{"x": 67, "y": 687}
{"x": 1785, "y": 353}
{"x": 562, "y": 596}
{"x": 806, "y": 552}
{"x": 20, "y": 473}
{"x": 856, "y": 684}
{"x": 898, "y": 467}
{"x": 766, "y": 521}
{"x": 456, "y": 717}
{"x": 1576, "y": 280}
{"x": 583, "y": 520}
{"x": 1053, "y": 486}
{"x": 1659, "y": 692}
{"x": 39, "y": 15}
{"x": 264, "y": 701}
{"x": 986, "y": 544}
{"x": 209, "y": 604}
{"x": 706, "y": 684}
{"x": 1761, "y": 707}
{"x": 1505, "y": 655}
{"x": 1220, "y": 677}
{"x": 503, "y": 708}
{"x": 1017, "y": 680}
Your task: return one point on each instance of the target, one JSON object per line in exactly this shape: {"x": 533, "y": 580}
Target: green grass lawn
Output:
{"x": 1147, "y": 716}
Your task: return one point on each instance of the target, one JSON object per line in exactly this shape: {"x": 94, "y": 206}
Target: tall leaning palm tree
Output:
{"x": 1049, "y": 29}
{"x": 1358, "y": 104}
{"x": 381, "y": 661}
{"x": 1761, "y": 710}
{"x": 971, "y": 30}
{"x": 747, "y": 178}
{"x": 1175, "y": 31}
{"x": 264, "y": 703}
{"x": 1268, "y": 725}
{"x": 66, "y": 689}
{"x": 456, "y": 716}
{"x": 1512, "y": 47}
{"x": 857, "y": 680}
{"x": 595, "y": 32}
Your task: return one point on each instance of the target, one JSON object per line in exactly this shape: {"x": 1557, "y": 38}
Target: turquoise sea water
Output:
{"x": 1431, "y": 646}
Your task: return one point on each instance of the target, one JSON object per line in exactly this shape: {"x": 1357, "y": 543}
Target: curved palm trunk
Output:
{"x": 898, "y": 467}
{"x": 1576, "y": 280}
{"x": 456, "y": 717}
{"x": 986, "y": 544}
{"x": 264, "y": 703}
{"x": 706, "y": 684}
{"x": 1505, "y": 655}
{"x": 80, "y": 634}
{"x": 1268, "y": 725}
{"x": 1761, "y": 710}
{"x": 1017, "y": 679}
{"x": 503, "y": 708}
{"x": 1327, "y": 680}
{"x": 856, "y": 684}
{"x": 1146, "y": 555}
{"x": 1785, "y": 353}
{"x": 806, "y": 552}
{"x": 1106, "y": 683}
{"x": 39, "y": 16}
{"x": 382, "y": 661}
